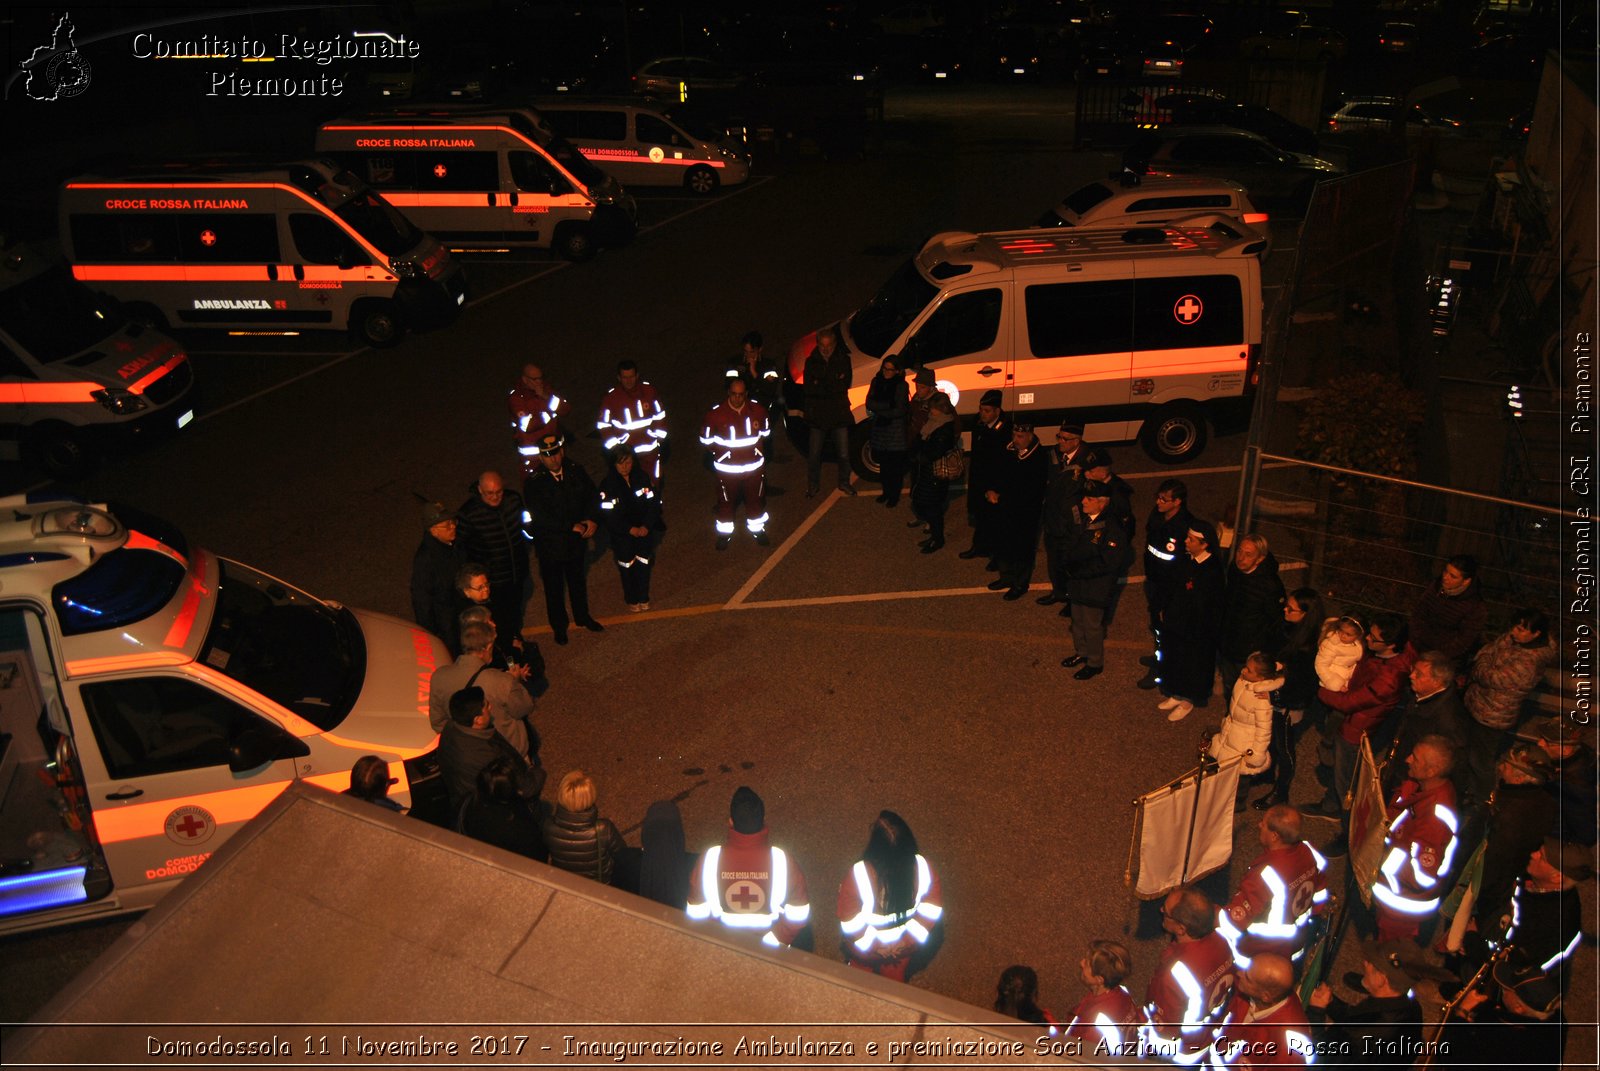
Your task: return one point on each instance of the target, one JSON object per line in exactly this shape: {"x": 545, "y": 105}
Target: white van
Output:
{"x": 77, "y": 377}
{"x": 258, "y": 249}
{"x": 157, "y": 697}
{"x": 485, "y": 179}
{"x": 644, "y": 145}
{"x": 1143, "y": 333}
{"x": 1131, "y": 200}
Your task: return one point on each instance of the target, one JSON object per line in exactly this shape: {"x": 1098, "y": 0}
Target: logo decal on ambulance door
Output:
{"x": 657, "y": 154}
{"x": 1188, "y": 309}
{"x": 190, "y": 825}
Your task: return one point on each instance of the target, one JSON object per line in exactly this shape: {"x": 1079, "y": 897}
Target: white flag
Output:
{"x": 1171, "y": 821}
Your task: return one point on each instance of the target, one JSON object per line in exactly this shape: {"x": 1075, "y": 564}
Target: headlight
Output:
{"x": 406, "y": 269}
{"x": 120, "y": 400}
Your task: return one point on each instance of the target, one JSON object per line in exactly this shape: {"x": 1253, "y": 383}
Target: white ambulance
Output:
{"x": 1147, "y": 333}
{"x": 257, "y": 249}
{"x": 485, "y": 179}
{"x": 77, "y": 377}
{"x": 154, "y": 697}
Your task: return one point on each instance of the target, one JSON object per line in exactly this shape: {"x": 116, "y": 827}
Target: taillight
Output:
{"x": 1253, "y": 218}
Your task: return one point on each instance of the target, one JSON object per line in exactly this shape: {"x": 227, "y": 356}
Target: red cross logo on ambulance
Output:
{"x": 208, "y": 238}
{"x": 439, "y": 171}
{"x": 1188, "y": 310}
{"x": 657, "y": 154}
{"x": 746, "y": 898}
{"x": 190, "y": 825}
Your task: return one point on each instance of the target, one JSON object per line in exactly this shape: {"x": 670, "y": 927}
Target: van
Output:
{"x": 77, "y": 377}
{"x": 158, "y": 696}
{"x": 271, "y": 249}
{"x": 1144, "y": 333}
{"x": 485, "y": 180}
{"x": 644, "y": 145}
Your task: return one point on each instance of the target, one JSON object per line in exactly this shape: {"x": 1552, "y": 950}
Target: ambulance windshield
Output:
{"x": 301, "y": 653}
{"x": 52, "y": 316}
{"x": 883, "y": 319}
{"x": 578, "y": 166}
{"x": 380, "y": 223}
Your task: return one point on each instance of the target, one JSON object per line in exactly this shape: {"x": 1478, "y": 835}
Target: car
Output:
{"x": 1101, "y": 54}
{"x": 939, "y": 56}
{"x": 680, "y": 78}
{"x": 1272, "y": 175}
{"x": 1398, "y": 37}
{"x": 1305, "y": 43}
{"x": 1131, "y": 200}
{"x": 1377, "y": 115}
{"x": 1200, "y": 109}
{"x": 1026, "y": 51}
{"x": 1160, "y": 58}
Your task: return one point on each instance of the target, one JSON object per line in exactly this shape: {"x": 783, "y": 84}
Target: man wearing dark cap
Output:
{"x": 1062, "y": 492}
{"x": 563, "y": 512}
{"x": 469, "y": 742}
{"x": 1094, "y": 552}
{"x": 1190, "y": 623}
{"x": 1018, "y": 498}
{"x": 433, "y": 572}
{"x": 1387, "y": 1020}
{"x": 990, "y": 437}
{"x": 749, "y": 885}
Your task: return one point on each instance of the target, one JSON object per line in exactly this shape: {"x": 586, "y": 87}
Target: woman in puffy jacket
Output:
{"x": 579, "y": 840}
{"x": 1247, "y": 730}
{"x": 1503, "y": 672}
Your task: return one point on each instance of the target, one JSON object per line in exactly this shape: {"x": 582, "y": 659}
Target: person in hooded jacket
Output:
{"x": 1252, "y": 607}
{"x": 664, "y": 865}
{"x": 889, "y": 405}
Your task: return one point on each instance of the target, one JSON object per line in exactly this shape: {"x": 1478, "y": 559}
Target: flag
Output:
{"x": 1172, "y": 821}
{"x": 1369, "y": 822}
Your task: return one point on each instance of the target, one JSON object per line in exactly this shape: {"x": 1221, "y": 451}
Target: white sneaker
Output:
{"x": 636, "y": 607}
{"x": 1180, "y": 711}
{"x": 644, "y": 606}
{"x": 1168, "y": 703}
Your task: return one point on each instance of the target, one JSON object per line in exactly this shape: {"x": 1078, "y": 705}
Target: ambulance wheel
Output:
{"x": 148, "y": 315}
{"x": 574, "y": 242}
{"x": 701, "y": 180}
{"x": 377, "y": 324}
{"x": 60, "y": 452}
{"x": 1174, "y": 433}
{"x": 862, "y": 459}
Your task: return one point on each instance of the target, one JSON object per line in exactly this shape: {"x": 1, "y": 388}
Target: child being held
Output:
{"x": 1339, "y": 651}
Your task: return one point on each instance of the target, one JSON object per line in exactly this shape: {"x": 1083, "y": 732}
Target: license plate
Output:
{"x": 1163, "y": 63}
{"x": 183, "y": 421}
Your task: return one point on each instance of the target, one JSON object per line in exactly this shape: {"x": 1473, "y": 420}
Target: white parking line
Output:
{"x": 236, "y": 403}
{"x": 783, "y": 550}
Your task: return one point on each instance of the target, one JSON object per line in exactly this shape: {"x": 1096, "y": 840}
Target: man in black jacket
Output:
{"x": 828, "y": 374}
{"x": 1091, "y": 557}
{"x": 489, "y": 528}
{"x": 563, "y": 512}
{"x": 1018, "y": 499}
{"x": 1388, "y": 1021}
{"x": 433, "y": 572}
{"x": 1252, "y": 607}
{"x": 469, "y": 742}
{"x": 1165, "y": 531}
{"x": 1190, "y": 623}
{"x": 990, "y": 437}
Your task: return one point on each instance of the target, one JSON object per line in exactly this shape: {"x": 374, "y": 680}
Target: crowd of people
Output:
{"x": 1490, "y": 820}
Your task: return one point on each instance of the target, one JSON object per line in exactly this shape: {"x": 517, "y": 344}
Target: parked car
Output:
{"x": 1398, "y": 37}
{"x": 678, "y": 78}
{"x": 1303, "y": 44}
{"x": 1102, "y": 54}
{"x": 1271, "y": 174}
{"x": 1199, "y": 109}
{"x": 1131, "y": 200}
{"x": 1379, "y": 114}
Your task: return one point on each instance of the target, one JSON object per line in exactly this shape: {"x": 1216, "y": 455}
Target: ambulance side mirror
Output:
{"x": 258, "y": 745}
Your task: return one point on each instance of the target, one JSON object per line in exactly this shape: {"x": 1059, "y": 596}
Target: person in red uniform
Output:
{"x": 734, "y": 434}
{"x": 1103, "y": 1017}
{"x": 1265, "y": 1024}
{"x": 1420, "y": 847}
{"x": 750, "y": 886}
{"x": 536, "y": 411}
{"x": 631, "y": 415}
{"x": 890, "y": 905}
{"x": 1278, "y": 896}
{"x": 1189, "y": 991}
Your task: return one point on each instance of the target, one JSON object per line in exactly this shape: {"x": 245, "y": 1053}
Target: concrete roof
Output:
{"x": 326, "y": 915}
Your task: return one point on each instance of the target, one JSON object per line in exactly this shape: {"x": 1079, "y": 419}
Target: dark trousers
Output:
{"x": 1055, "y": 564}
{"x": 1019, "y": 547}
{"x": 892, "y": 470}
{"x": 1089, "y": 633}
{"x": 559, "y": 578}
{"x": 841, "y": 446}
{"x": 988, "y": 527}
{"x": 506, "y": 607}
{"x": 930, "y": 497}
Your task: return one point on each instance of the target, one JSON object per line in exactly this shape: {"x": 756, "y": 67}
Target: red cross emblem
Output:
{"x": 1188, "y": 310}
{"x": 280, "y": 303}
{"x": 208, "y": 238}
{"x": 322, "y": 297}
{"x": 190, "y": 825}
{"x": 438, "y": 170}
{"x": 746, "y": 897}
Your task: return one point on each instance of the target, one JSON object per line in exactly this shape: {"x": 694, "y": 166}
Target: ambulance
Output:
{"x": 1144, "y": 333}
{"x": 485, "y": 179}
{"x": 257, "y": 249}
{"x": 155, "y": 696}
{"x": 77, "y": 377}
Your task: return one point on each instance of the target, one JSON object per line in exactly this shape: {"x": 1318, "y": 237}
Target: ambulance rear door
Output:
{"x": 173, "y": 765}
